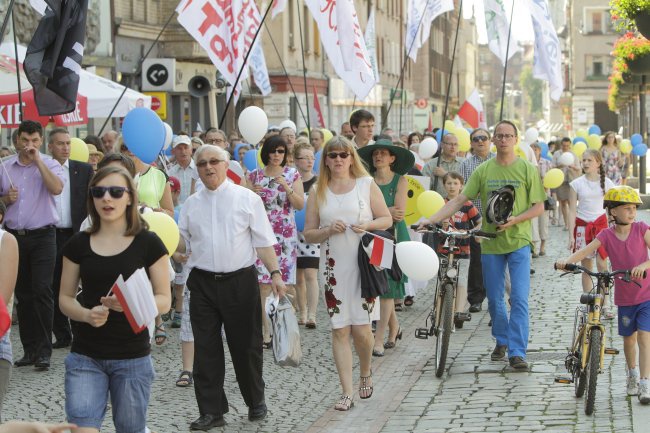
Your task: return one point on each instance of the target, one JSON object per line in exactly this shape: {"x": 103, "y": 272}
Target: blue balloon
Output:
{"x": 439, "y": 134}
{"x": 548, "y": 157}
{"x": 594, "y": 129}
{"x": 300, "y": 218}
{"x": 640, "y": 149}
{"x": 579, "y": 140}
{"x": 143, "y": 133}
{"x": 237, "y": 147}
{"x": 636, "y": 139}
{"x": 543, "y": 147}
{"x": 250, "y": 160}
{"x": 168, "y": 151}
{"x": 317, "y": 158}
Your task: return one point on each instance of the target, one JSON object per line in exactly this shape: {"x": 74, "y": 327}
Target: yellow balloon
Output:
{"x": 429, "y": 203}
{"x": 411, "y": 212}
{"x": 520, "y": 152}
{"x": 493, "y": 149}
{"x": 554, "y": 178}
{"x": 449, "y": 125}
{"x": 626, "y": 146}
{"x": 463, "y": 139}
{"x": 165, "y": 227}
{"x": 594, "y": 141}
{"x": 327, "y": 135}
{"x": 579, "y": 148}
{"x": 582, "y": 133}
{"x": 260, "y": 164}
{"x": 78, "y": 150}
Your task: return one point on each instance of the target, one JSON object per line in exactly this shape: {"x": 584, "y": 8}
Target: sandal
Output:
{"x": 607, "y": 314}
{"x": 160, "y": 335}
{"x": 365, "y": 390}
{"x": 311, "y": 324}
{"x": 344, "y": 404}
{"x": 398, "y": 307}
{"x": 185, "y": 379}
{"x": 408, "y": 301}
{"x": 267, "y": 344}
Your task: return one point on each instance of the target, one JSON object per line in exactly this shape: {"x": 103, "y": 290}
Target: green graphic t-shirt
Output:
{"x": 491, "y": 176}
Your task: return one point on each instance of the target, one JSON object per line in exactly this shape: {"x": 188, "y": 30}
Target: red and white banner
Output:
{"x": 472, "y": 111}
{"x": 225, "y": 29}
{"x": 135, "y": 295}
{"x": 343, "y": 40}
{"x": 235, "y": 172}
{"x": 318, "y": 111}
{"x": 381, "y": 252}
{"x": 278, "y": 7}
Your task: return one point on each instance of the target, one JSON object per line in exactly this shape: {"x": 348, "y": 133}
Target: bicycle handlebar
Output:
{"x": 457, "y": 234}
{"x": 573, "y": 268}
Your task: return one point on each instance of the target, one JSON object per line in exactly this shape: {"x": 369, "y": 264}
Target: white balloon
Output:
{"x": 531, "y": 135}
{"x": 428, "y": 148}
{"x": 418, "y": 160}
{"x": 169, "y": 134}
{"x": 567, "y": 158}
{"x": 288, "y": 124}
{"x": 253, "y": 124}
{"x": 417, "y": 260}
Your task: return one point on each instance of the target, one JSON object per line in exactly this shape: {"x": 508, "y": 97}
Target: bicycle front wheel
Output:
{"x": 445, "y": 324}
{"x": 591, "y": 371}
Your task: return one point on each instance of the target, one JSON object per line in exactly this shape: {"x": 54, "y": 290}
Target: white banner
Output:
{"x": 343, "y": 41}
{"x": 371, "y": 43}
{"x": 257, "y": 62}
{"x": 497, "y": 24}
{"x": 418, "y": 27}
{"x": 548, "y": 63}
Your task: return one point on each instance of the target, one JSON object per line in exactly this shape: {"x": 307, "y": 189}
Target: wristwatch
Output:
{"x": 277, "y": 271}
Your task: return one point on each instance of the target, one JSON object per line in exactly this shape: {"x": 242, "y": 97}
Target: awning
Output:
{"x": 96, "y": 97}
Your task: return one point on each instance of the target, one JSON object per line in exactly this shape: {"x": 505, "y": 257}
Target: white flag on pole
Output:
{"x": 416, "y": 33}
{"x": 278, "y": 7}
{"x": 497, "y": 24}
{"x": 343, "y": 41}
{"x": 547, "y": 64}
{"x": 371, "y": 43}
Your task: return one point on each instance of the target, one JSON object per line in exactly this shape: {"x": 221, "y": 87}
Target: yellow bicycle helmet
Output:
{"x": 620, "y": 195}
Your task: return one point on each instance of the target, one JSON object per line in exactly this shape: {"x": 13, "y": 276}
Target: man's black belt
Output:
{"x": 224, "y": 275}
{"x": 25, "y": 232}
{"x": 64, "y": 229}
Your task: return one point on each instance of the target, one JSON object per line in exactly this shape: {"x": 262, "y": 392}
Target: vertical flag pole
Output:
{"x": 401, "y": 75}
{"x": 304, "y": 68}
{"x": 5, "y": 22}
{"x": 241, "y": 70}
{"x": 451, "y": 70}
{"x": 505, "y": 67}
{"x": 20, "y": 91}
{"x": 286, "y": 73}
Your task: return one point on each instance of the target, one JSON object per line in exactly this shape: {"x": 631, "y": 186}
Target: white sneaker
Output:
{"x": 632, "y": 385}
{"x": 644, "y": 392}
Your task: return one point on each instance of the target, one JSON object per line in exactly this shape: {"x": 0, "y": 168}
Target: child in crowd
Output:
{"x": 626, "y": 243}
{"x": 467, "y": 218}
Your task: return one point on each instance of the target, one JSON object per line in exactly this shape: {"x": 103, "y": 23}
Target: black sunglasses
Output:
{"x": 479, "y": 138}
{"x": 333, "y": 155}
{"x": 114, "y": 191}
{"x": 279, "y": 150}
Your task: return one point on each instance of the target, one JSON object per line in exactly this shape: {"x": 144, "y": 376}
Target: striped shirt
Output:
{"x": 466, "y": 218}
{"x": 468, "y": 166}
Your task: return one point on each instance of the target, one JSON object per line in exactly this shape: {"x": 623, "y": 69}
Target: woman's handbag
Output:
{"x": 550, "y": 203}
{"x": 286, "y": 332}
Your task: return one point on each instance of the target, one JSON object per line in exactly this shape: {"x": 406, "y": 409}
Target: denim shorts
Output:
{"x": 88, "y": 383}
{"x": 632, "y": 318}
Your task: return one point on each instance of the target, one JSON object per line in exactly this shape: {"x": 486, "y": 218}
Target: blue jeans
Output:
{"x": 512, "y": 331}
{"x": 89, "y": 381}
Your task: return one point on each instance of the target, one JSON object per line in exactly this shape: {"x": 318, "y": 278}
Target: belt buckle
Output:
{"x": 21, "y": 232}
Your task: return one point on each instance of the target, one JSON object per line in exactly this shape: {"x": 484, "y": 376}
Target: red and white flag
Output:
{"x": 381, "y": 252}
{"x": 318, "y": 111}
{"x": 278, "y": 7}
{"x": 342, "y": 38}
{"x": 235, "y": 172}
{"x": 5, "y": 318}
{"x": 472, "y": 111}
{"x": 135, "y": 295}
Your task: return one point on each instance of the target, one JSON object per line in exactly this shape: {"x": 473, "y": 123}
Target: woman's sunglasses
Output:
{"x": 114, "y": 191}
{"x": 480, "y": 138}
{"x": 279, "y": 150}
{"x": 333, "y": 155}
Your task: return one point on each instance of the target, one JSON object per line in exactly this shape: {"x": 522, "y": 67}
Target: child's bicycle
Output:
{"x": 442, "y": 318}
{"x": 585, "y": 358}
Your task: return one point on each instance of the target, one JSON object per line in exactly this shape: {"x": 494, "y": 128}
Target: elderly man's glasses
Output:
{"x": 203, "y": 163}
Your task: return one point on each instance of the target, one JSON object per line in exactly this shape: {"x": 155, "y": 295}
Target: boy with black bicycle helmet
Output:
{"x": 626, "y": 243}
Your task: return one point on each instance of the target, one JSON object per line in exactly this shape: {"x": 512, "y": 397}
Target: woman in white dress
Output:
{"x": 345, "y": 203}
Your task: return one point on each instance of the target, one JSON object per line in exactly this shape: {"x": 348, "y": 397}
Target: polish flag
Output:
{"x": 381, "y": 252}
{"x": 235, "y": 172}
{"x": 472, "y": 111}
{"x": 135, "y": 295}
{"x": 317, "y": 109}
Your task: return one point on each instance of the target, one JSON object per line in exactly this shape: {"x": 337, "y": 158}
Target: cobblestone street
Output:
{"x": 476, "y": 394}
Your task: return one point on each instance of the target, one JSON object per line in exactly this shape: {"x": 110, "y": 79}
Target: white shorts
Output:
{"x": 186, "y": 334}
{"x": 180, "y": 278}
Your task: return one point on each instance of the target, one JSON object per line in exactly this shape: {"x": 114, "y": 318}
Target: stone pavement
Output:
{"x": 475, "y": 394}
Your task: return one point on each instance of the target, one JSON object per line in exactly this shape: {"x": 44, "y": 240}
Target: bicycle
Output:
{"x": 586, "y": 355}
{"x": 442, "y": 319}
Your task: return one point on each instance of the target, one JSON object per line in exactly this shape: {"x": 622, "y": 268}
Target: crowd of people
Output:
{"x": 72, "y": 228}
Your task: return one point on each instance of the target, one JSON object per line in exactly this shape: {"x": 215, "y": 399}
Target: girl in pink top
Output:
{"x": 626, "y": 243}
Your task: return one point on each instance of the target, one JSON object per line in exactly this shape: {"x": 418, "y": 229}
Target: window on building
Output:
{"x": 597, "y": 21}
{"x": 597, "y": 67}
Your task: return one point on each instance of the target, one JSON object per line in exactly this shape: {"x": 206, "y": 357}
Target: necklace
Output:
{"x": 338, "y": 199}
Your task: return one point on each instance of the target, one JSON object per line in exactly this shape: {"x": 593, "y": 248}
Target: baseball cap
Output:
{"x": 181, "y": 139}
{"x": 174, "y": 183}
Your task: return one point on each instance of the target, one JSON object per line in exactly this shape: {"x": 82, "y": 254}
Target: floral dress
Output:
{"x": 611, "y": 161}
{"x": 339, "y": 269}
{"x": 281, "y": 216}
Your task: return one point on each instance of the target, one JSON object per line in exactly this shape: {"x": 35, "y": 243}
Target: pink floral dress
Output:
{"x": 611, "y": 160}
{"x": 339, "y": 269}
{"x": 281, "y": 216}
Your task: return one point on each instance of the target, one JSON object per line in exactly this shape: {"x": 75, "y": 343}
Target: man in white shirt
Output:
{"x": 71, "y": 208}
{"x": 184, "y": 169}
{"x": 225, "y": 227}
{"x": 362, "y": 123}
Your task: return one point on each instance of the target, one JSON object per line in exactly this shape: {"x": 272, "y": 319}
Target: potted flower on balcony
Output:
{"x": 627, "y": 13}
{"x": 632, "y": 54}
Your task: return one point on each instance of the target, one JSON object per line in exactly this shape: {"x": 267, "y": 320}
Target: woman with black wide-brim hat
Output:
{"x": 388, "y": 164}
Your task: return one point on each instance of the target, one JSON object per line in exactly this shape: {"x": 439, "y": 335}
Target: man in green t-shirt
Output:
{"x": 512, "y": 246}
